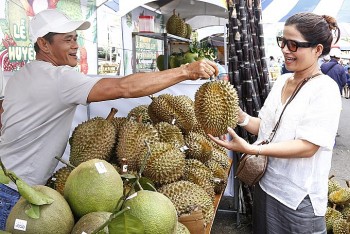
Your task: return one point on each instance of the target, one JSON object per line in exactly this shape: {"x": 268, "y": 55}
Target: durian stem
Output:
{"x": 64, "y": 162}
{"x": 112, "y": 113}
{"x": 111, "y": 217}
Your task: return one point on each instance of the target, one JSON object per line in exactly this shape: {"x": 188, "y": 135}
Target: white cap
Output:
{"x": 335, "y": 52}
{"x": 52, "y": 20}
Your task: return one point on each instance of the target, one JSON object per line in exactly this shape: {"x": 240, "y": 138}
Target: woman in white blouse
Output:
{"x": 291, "y": 197}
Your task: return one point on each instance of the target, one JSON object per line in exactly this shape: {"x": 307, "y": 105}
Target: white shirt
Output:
{"x": 39, "y": 106}
{"x": 313, "y": 115}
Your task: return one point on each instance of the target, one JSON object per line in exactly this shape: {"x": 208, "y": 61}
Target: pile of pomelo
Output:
{"x": 94, "y": 202}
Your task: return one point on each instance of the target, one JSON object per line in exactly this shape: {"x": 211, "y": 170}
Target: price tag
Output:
{"x": 100, "y": 167}
{"x": 184, "y": 148}
{"x": 20, "y": 224}
{"x": 125, "y": 168}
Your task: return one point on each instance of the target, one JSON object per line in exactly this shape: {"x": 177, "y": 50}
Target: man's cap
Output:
{"x": 335, "y": 52}
{"x": 52, "y": 20}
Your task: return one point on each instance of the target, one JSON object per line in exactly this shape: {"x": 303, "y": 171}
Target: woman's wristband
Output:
{"x": 245, "y": 121}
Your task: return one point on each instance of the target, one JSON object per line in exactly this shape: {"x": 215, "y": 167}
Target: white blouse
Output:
{"x": 313, "y": 115}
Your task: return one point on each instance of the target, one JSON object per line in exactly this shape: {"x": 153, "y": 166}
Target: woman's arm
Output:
{"x": 287, "y": 149}
{"x": 250, "y": 123}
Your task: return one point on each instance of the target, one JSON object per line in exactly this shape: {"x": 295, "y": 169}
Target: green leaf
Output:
{"x": 3, "y": 178}
{"x": 31, "y": 195}
{"x": 146, "y": 183}
{"x": 33, "y": 212}
{"x": 127, "y": 224}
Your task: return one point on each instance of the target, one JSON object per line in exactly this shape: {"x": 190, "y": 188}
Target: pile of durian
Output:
{"x": 338, "y": 210}
{"x": 171, "y": 133}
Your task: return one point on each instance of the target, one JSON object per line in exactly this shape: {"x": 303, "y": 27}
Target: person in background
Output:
{"x": 292, "y": 195}
{"x": 347, "y": 86}
{"x": 334, "y": 69}
{"x": 41, "y": 98}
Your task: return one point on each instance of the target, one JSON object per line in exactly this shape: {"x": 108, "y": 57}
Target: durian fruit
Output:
{"x": 138, "y": 112}
{"x": 182, "y": 229}
{"x": 199, "y": 147}
{"x": 94, "y": 138}
{"x": 216, "y": 107}
{"x": 330, "y": 216}
{"x": 131, "y": 142}
{"x": 340, "y": 197}
{"x": 221, "y": 158}
{"x": 177, "y": 110}
{"x": 188, "y": 31}
{"x": 181, "y": 27}
{"x": 341, "y": 226}
{"x": 220, "y": 175}
{"x": 333, "y": 185}
{"x": 58, "y": 180}
{"x": 185, "y": 194}
{"x": 196, "y": 172}
{"x": 171, "y": 24}
{"x": 170, "y": 133}
{"x": 165, "y": 164}
{"x": 346, "y": 212}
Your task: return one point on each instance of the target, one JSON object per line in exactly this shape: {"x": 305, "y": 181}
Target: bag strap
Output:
{"x": 295, "y": 92}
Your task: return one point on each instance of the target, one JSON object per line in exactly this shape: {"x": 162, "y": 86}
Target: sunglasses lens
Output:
{"x": 280, "y": 42}
{"x": 292, "y": 46}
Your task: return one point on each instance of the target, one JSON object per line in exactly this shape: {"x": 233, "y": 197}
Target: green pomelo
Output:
{"x": 54, "y": 218}
{"x": 155, "y": 210}
{"x": 94, "y": 185}
{"x": 160, "y": 62}
{"x": 189, "y": 57}
{"x": 90, "y": 222}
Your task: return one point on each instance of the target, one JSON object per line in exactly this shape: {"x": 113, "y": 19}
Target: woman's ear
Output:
{"x": 319, "y": 50}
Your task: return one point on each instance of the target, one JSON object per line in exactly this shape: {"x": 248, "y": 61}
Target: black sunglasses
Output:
{"x": 293, "y": 45}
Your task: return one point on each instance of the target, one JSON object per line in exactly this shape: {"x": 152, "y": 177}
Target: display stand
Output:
{"x": 165, "y": 37}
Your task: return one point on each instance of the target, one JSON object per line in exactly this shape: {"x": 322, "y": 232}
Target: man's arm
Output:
{"x": 144, "y": 84}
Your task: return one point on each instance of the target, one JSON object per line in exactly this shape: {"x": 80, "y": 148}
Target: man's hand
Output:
{"x": 201, "y": 69}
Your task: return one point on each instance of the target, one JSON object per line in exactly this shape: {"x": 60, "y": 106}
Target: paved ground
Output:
{"x": 225, "y": 222}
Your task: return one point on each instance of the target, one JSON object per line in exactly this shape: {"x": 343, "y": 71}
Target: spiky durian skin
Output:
{"x": 346, "y": 212}
{"x": 340, "y": 197}
{"x": 177, "y": 110}
{"x": 165, "y": 165}
{"x": 140, "y": 112}
{"x": 333, "y": 185}
{"x": 185, "y": 194}
{"x": 132, "y": 142}
{"x": 222, "y": 158}
{"x": 216, "y": 107}
{"x": 198, "y": 173}
{"x": 199, "y": 147}
{"x": 170, "y": 133}
{"x": 59, "y": 178}
{"x": 220, "y": 175}
{"x": 182, "y": 229}
{"x": 94, "y": 138}
{"x": 341, "y": 226}
{"x": 330, "y": 216}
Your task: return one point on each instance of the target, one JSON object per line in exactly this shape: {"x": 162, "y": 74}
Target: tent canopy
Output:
{"x": 279, "y": 10}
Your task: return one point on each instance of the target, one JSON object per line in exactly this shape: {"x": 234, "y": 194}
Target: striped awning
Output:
{"x": 279, "y": 10}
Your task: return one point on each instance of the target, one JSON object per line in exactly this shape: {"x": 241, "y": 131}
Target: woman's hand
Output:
{"x": 237, "y": 143}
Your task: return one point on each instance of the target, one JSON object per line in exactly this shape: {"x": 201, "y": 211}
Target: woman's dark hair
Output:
{"x": 48, "y": 37}
{"x": 316, "y": 28}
